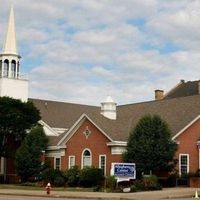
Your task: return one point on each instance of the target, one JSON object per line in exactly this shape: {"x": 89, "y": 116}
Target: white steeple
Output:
{"x": 10, "y": 46}
{"x": 12, "y": 83}
{"x": 108, "y": 108}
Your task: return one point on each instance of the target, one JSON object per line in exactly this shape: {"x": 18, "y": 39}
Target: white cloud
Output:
{"x": 82, "y": 51}
{"x": 179, "y": 25}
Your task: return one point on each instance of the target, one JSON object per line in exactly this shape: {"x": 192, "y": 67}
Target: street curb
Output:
{"x": 93, "y": 197}
{"x": 179, "y": 197}
{"x": 67, "y": 196}
{"x": 87, "y": 197}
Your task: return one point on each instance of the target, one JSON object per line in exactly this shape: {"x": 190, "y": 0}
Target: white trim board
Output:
{"x": 48, "y": 128}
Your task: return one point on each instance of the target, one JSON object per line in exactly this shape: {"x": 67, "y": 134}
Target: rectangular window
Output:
{"x": 183, "y": 164}
{"x": 102, "y": 163}
{"x": 57, "y": 163}
{"x": 86, "y": 161}
{"x": 71, "y": 161}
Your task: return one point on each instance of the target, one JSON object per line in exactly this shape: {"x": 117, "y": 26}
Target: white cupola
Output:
{"x": 12, "y": 83}
{"x": 108, "y": 108}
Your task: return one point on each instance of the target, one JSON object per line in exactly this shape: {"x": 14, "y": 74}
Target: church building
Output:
{"x": 97, "y": 136}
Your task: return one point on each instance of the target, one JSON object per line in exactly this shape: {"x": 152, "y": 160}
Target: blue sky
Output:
{"x": 82, "y": 51}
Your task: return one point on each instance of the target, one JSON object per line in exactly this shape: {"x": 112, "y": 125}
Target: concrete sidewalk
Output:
{"x": 169, "y": 193}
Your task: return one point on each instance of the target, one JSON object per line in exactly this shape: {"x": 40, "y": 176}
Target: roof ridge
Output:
{"x": 156, "y": 101}
{"x": 57, "y": 101}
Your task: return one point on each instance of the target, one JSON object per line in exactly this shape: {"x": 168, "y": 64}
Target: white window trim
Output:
{"x": 102, "y": 155}
{"x": 188, "y": 162}
{"x": 71, "y": 156}
{"x": 55, "y": 162}
{"x": 82, "y": 157}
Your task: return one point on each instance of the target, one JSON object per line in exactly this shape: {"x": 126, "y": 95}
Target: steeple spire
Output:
{"x": 10, "y": 46}
{"x": 12, "y": 83}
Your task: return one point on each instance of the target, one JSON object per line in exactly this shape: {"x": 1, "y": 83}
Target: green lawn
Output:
{"x": 22, "y": 187}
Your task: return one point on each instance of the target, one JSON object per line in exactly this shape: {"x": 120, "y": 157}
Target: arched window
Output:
{"x": 6, "y": 68}
{"x": 13, "y": 68}
{"x": 86, "y": 158}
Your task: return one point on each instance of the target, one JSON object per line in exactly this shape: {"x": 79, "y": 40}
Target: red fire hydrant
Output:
{"x": 48, "y": 188}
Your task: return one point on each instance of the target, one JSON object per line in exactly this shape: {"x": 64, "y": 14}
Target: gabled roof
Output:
{"x": 184, "y": 89}
{"x": 185, "y": 128}
{"x": 77, "y": 124}
{"x": 177, "y": 112}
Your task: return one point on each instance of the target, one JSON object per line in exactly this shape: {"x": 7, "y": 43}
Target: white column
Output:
{"x": 9, "y": 69}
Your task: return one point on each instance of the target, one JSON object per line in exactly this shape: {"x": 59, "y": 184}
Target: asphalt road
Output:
{"x": 12, "y": 197}
{"x": 166, "y": 193}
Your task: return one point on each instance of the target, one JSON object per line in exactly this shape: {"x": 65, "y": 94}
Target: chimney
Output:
{"x": 159, "y": 94}
{"x": 108, "y": 108}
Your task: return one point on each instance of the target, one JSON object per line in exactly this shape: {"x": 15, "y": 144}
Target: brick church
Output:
{"x": 86, "y": 135}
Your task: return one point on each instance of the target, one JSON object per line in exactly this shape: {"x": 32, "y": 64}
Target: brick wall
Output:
{"x": 96, "y": 143}
{"x": 187, "y": 144}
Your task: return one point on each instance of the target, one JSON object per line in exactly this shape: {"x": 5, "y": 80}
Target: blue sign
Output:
{"x": 124, "y": 170}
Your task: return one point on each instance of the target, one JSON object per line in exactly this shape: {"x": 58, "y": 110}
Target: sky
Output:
{"x": 81, "y": 51}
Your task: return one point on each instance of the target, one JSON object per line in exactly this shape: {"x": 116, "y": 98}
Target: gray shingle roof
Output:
{"x": 184, "y": 89}
{"x": 177, "y": 112}
{"x": 60, "y": 114}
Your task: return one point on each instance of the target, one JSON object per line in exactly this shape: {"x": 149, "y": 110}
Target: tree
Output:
{"x": 28, "y": 156}
{"x": 150, "y": 146}
{"x": 16, "y": 118}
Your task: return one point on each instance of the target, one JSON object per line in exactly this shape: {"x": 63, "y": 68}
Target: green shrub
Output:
{"x": 133, "y": 188}
{"x": 138, "y": 186}
{"x": 72, "y": 176}
{"x": 48, "y": 175}
{"x": 53, "y": 176}
{"x": 171, "y": 180}
{"x": 110, "y": 183}
{"x": 146, "y": 183}
{"x": 91, "y": 176}
{"x": 151, "y": 183}
{"x": 59, "y": 181}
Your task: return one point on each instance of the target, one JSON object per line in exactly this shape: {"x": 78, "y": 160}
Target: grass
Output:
{"x": 24, "y": 187}
{"x": 19, "y": 187}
